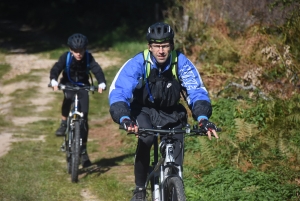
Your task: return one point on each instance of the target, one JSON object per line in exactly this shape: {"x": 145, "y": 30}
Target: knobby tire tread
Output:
{"x": 174, "y": 189}
{"x": 68, "y": 137}
{"x": 68, "y": 153}
{"x": 75, "y": 152}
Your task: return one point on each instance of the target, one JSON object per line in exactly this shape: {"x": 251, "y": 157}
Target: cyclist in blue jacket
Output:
{"x": 146, "y": 92}
{"x": 75, "y": 66}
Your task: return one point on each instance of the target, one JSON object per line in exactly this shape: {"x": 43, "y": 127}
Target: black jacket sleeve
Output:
{"x": 58, "y": 67}
{"x": 202, "y": 108}
{"x": 118, "y": 110}
{"x": 97, "y": 70}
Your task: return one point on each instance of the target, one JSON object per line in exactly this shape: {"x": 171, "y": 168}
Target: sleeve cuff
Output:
{"x": 202, "y": 117}
{"x": 124, "y": 117}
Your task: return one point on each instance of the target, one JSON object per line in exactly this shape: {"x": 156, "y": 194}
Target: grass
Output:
{"x": 38, "y": 171}
{"x": 4, "y": 68}
{"x": 34, "y": 169}
{"x": 21, "y": 97}
{"x": 129, "y": 49}
{"x": 30, "y": 77}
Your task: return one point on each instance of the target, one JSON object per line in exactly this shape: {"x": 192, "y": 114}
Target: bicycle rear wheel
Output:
{"x": 75, "y": 154}
{"x": 174, "y": 191}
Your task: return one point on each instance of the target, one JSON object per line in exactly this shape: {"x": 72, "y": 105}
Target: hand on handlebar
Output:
{"x": 53, "y": 84}
{"x": 129, "y": 125}
{"x": 209, "y": 127}
{"x": 101, "y": 87}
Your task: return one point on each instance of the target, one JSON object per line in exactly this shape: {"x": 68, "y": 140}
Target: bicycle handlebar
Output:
{"x": 171, "y": 131}
{"x": 76, "y": 88}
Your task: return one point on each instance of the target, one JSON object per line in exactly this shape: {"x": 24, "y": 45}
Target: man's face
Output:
{"x": 78, "y": 53}
{"x": 161, "y": 51}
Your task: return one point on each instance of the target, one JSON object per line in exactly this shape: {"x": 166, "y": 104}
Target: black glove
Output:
{"x": 128, "y": 123}
{"x": 207, "y": 125}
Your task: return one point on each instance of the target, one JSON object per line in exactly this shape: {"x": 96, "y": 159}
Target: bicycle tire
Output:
{"x": 68, "y": 152}
{"x": 75, "y": 152}
{"x": 174, "y": 190}
{"x": 68, "y": 138}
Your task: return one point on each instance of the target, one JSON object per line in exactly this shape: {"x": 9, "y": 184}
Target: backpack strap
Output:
{"x": 88, "y": 67}
{"x": 147, "y": 72}
{"x": 174, "y": 64}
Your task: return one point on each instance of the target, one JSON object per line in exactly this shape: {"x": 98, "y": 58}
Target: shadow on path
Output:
{"x": 104, "y": 165}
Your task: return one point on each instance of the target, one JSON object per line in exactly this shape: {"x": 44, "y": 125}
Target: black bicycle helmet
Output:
{"x": 160, "y": 32}
{"x": 77, "y": 41}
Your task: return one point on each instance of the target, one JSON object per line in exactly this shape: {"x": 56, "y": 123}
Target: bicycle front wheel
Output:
{"x": 75, "y": 159}
{"x": 174, "y": 191}
{"x": 68, "y": 142}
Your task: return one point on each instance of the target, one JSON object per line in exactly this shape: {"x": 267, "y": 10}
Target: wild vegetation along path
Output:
{"x": 25, "y": 63}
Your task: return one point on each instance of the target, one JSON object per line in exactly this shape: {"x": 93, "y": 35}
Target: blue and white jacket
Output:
{"x": 132, "y": 72}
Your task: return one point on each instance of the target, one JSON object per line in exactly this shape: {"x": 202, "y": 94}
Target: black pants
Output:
{"x": 144, "y": 119}
{"x": 83, "y": 97}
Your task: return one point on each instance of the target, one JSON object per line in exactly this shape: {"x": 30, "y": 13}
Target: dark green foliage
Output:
{"x": 253, "y": 138}
{"x": 223, "y": 110}
{"x": 255, "y": 112}
{"x": 228, "y": 184}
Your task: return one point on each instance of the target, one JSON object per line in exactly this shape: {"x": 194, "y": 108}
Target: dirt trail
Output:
{"x": 25, "y": 63}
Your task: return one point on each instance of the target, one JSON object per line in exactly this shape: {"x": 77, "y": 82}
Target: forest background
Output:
{"x": 248, "y": 55}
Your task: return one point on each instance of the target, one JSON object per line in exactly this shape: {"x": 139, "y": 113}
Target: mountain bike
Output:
{"x": 165, "y": 177}
{"x": 72, "y": 141}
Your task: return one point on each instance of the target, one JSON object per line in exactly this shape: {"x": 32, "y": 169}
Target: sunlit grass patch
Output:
{"x": 129, "y": 49}
{"x": 108, "y": 187}
{"x": 21, "y": 104}
{"x": 29, "y": 77}
{"x": 31, "y": 171}
{"x": 4, "y": 122}
{"x": 4, "y": 68}
{"x": 55, "y": 54}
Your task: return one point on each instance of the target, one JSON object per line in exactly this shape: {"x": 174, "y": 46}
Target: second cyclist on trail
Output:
{"x": 75, "y": 66}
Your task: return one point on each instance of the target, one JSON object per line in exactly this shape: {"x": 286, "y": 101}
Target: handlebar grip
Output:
{"x": 49, "y": 85}
{"x": 219, "y": 130}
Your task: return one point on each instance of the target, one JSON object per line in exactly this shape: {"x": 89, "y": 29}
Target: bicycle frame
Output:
{"x": 161, "y": 168}
{"x": 74, "y": 115}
